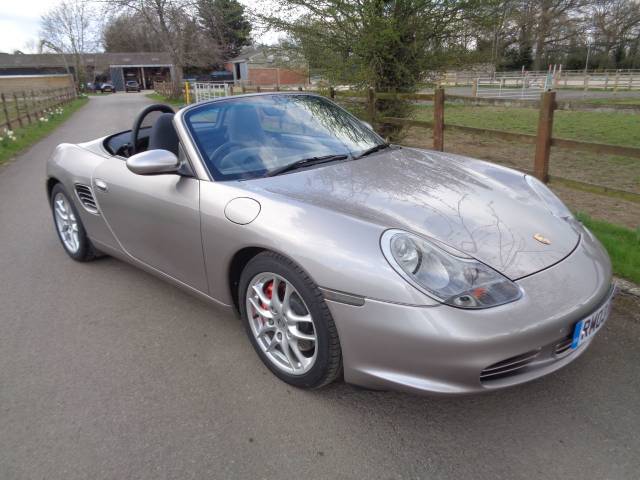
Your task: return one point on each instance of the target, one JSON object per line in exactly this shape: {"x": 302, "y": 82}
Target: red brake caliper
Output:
{"x": 268, "y": 290}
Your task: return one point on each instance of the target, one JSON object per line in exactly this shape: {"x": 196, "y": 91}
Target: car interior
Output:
{"x": 161, "y": 135}
{"x": 237, "y": 140}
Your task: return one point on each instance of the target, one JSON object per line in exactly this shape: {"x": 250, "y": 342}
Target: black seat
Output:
{"x": 163, "y": 134}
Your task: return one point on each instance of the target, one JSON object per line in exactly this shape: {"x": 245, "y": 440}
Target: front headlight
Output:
{"x": 550, "y": 200}
{"x": 445, "y": 274}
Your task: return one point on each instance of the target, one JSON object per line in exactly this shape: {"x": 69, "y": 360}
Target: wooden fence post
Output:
{"x": 6, "y": 113}
{"x": 26, "y": 107}
{"x": 438, "y": 120}
{"x": 543, "y": 142}
{"x": 332, "y": 93}
{"x": 15, "y": 99}
{"x": 258, "y": 89}
{"x": 474, "y": 88}
{"x": 371, "y": 105}
{"x": 35, "y": 106}
{"x": 244, "y": 89}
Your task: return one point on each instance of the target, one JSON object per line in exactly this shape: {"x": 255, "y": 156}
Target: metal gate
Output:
{"x": 204, "y": 91}
{"x": 526, "y": 87}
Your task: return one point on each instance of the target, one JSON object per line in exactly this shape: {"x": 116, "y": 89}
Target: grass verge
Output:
{"x": 30, "y": 134}
{"x": 623, "y": 245}
{"x": 162, "y": 99}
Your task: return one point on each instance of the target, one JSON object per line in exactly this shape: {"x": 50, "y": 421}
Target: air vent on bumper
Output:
{"x": 508, "y": 367}
{"x": 85, "y": 195}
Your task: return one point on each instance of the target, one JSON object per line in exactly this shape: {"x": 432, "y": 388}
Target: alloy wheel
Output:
{"x": 66, "y": 223}
{"x": 281, "y": 323}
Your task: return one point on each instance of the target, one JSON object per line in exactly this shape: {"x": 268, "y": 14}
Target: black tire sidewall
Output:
{"x": 312, "y": 297}
{"x": 85, "y": 247}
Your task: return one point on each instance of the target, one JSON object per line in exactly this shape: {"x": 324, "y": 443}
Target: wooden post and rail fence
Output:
{"x": 19, "y": 109}
{"x": 543, "y": 140}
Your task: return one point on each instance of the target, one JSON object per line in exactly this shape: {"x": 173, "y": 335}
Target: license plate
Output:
{"x": 588, "y": 327}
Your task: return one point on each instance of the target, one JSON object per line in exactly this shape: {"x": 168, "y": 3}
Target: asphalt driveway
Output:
{"x": 108, "y": 373}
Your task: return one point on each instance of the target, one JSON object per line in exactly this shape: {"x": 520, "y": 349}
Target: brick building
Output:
{"x": 268, "y": 66}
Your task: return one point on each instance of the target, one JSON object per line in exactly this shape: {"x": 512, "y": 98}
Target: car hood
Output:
{"x": 481, "y": 209}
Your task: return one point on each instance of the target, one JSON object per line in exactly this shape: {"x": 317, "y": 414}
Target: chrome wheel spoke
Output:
{"x": 266, "y": 328}
{"x": 273, "y": 343}
{"x": 294, "y": 318}
{"x": 275, "y": 297}
{"x": 298, "y": 335}
{"x": 259, "y": 291}
{"x": 286, "y": 347}
{"x": 300, "y": 358}
{"x": 263, "y": 312}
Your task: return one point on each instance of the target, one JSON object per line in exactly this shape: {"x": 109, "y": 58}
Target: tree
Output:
{"x": 174, "y": 24}
{"x": 128, "y": 32}
{"x": 384, "y": 44}
{"x": 225, "y": 22}
{"x": 70, "y": 28}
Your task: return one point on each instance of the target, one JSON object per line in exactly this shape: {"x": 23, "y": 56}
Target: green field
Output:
{"x": 616, "y": 128}
{"x": 623, "y": 245}
{"x": 635, "y": 101}
{"x": 30, "y": 134}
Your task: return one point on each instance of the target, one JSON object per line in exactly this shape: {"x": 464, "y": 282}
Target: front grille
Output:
{"x": 508, "y": 367}
{"x": 85, "y": 195}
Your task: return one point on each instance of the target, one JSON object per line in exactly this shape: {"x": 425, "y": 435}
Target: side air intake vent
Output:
{"x": 85, "y": 195}
{"x": 508, "y": 367}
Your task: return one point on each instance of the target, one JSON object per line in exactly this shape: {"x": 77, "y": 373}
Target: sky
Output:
{"x": 20, "y": 23}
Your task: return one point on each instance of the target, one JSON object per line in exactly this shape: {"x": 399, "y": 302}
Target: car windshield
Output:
{"x": 250, "y": 137}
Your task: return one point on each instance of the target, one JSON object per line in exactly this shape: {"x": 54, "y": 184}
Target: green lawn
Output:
{"x": 178, "y": 102}
{"x": 30, "y": 134}
{"x": 622, "y": 244}
{"x": 615, "y": 128}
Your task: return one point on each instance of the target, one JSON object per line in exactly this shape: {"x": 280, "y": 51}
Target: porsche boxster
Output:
{"x": 345, "y": 256}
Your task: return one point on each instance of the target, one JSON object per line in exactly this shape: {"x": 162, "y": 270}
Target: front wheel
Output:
{"x": 70, "y": 229}
{"x": 288, "y": 322}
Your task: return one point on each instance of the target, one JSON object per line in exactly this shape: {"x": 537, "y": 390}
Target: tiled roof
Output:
{"x": 101, "y": 59}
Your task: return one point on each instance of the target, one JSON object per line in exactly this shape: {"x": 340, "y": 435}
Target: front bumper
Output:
{"x": 444, "y": 350}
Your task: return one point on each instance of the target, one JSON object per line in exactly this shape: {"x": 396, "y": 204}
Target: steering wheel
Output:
{"x": 224, "y": 150}
{"x": 135, "y": 131}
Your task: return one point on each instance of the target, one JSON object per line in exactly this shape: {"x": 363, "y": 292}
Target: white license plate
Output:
{"x": 588, "y": 327}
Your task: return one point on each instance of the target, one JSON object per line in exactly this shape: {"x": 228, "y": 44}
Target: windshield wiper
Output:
{"x": 306, "y": 162}
{"x": 375, "y": 148}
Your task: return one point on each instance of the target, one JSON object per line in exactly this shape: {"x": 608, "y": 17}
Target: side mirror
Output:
{"x": 153, "y": 162}
{"x": 367, "y": 124}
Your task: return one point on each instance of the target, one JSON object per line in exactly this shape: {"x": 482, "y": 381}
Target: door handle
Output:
{"x": 100, "y": 184}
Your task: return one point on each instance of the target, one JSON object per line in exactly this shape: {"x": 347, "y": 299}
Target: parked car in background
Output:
{"x": 107, "y": 87}
{"x": 221, "y": 76}
{"x": 132, "y": 86}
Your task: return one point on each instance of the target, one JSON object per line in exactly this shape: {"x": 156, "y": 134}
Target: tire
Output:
{"x": 325, "y": 361}
{"x": 85, "y": 251}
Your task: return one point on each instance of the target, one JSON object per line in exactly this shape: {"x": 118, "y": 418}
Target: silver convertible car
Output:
{"x": 394, "y": 267}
